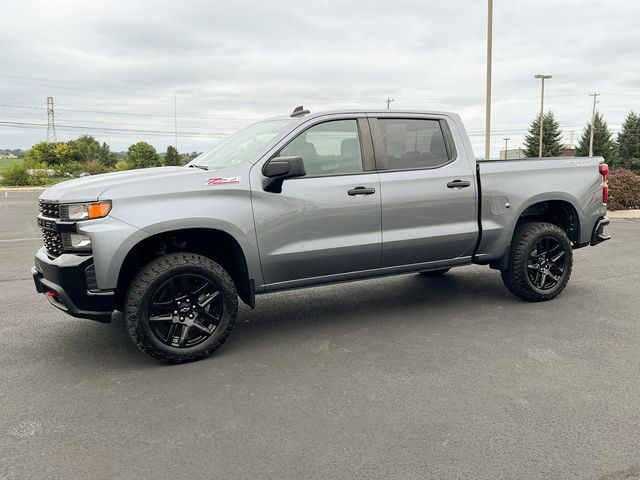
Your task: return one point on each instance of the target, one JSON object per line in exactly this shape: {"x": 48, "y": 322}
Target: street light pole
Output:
{"x": 593, "y": 117}
{"x": 506, "y": 146}
{"x": 543, "y": 78}
{"x": 487, "y": 126}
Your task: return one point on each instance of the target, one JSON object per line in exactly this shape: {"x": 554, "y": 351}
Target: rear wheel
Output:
{"x": 181, "y": 307}
{"x": 435, "y": 273}
{"x": 540, "y": 262}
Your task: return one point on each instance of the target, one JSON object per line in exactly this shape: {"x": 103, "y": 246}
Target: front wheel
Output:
{"x": 540, "y": 262}
{"x": 181, "y": 307}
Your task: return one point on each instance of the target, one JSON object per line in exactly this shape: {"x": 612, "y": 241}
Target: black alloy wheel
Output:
{"x": 185, "y": 310}
{"x": 546, "y": 264}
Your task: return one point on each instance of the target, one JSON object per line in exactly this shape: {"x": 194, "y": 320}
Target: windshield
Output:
{"x": 242, "y": 145}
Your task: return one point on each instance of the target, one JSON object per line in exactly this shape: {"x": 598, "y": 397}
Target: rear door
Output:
{"x": 329, "y": 221}
{"x": 428, "y": 191}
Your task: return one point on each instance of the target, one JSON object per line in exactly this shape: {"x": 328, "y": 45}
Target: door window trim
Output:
{"x": 380, "y": 156}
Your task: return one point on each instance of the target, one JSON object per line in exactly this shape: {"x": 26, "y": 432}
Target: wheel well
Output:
{"x": 558, "y": 212}
{"x": 217, "y": 245}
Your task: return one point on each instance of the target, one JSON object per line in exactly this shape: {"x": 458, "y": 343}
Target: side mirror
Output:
{"x": 279, "y": 169}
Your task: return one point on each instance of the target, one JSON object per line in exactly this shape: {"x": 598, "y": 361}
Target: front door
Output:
{"x": 327, "y": 222}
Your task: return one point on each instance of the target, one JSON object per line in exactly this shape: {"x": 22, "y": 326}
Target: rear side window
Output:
{"x": 413, "y": 143}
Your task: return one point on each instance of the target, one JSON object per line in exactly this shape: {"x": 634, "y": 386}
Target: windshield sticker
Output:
{"x": 222, "y": 180}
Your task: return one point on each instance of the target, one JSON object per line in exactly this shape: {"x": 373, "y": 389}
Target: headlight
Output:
{"x": 85, "y": 211}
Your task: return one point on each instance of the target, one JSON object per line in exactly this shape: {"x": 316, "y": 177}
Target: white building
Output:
{"x": 512, "y": 154}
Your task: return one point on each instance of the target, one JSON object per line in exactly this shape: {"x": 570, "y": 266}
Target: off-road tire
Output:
{"x": 516, "y": 277}
{"x": 154, "y": 274}
{"x": 435, "y": 273}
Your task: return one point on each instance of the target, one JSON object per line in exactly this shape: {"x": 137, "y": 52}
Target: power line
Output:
{"x": 85, "y": 129}
{"x": 132, "y": 114}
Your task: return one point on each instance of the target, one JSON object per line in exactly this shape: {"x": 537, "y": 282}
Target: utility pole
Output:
{"x": 175, "y": 121}
{"x": 593, "y": 117}
{"x": 388, "y": 102}
{"x": 51, "y": 124}
{"x": 487, "y": 125}
{"x": 506, "y": 146}
{"x": 543, "y": 78}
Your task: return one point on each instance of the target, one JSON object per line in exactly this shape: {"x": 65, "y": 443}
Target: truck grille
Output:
{"x": 50, "y": 210}
{"x": 53, "y": 241}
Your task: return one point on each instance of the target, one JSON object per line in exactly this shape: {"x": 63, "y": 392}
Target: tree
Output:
{"x": 603, "y": 144}
{"x": 551, "y": 141}
{"x": 41, "y": 155}
{"x": 142, "y": 155}
{"x": 171, "y": 157}
{"x": 629, "y": 143}
{"x": 65, "y": 153}
{"x": 89, "y": 149}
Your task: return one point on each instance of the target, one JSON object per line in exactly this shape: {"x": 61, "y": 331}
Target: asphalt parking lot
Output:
{"x": 405, "y": 377}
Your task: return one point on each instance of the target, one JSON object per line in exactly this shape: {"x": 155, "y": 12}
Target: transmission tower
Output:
{"x": 51, "y": 124}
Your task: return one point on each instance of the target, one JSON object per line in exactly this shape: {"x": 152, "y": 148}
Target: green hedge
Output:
{"x": 624, "y": 189}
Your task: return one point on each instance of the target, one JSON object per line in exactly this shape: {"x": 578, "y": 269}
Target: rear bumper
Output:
{"x": 64, "y": 281}
{"x": 598, "y": 235}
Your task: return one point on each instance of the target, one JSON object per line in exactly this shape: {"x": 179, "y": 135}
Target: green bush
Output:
{"x": 624, "y": 189}
{"x": 94, "y": 167}
{"x": 16, "y": 176}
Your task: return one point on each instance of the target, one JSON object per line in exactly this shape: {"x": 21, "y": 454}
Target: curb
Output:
{"x": 623, "y": 213}
{"x": 22, "y": 189}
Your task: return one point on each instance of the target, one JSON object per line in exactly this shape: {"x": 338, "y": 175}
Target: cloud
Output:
{"x": 230, "y": 61}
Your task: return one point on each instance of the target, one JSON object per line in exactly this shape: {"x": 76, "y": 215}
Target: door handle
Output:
{"x": 361, "y": 191}
{"x": 458, "y": 184}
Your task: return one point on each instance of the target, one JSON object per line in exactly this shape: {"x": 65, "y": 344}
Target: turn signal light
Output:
{"x": 99, "y": 209}
{"x": 51, "y": 293}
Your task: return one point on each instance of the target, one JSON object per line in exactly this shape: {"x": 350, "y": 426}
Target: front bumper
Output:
{"x": 70, "y": 279}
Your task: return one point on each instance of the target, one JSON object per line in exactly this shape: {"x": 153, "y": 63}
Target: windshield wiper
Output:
{"x": 201, "y": 167}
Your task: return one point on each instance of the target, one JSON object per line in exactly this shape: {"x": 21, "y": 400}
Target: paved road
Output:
{"x": 404, "y": 377}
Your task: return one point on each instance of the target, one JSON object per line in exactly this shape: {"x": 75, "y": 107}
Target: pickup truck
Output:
{"x": 304, "y": 200}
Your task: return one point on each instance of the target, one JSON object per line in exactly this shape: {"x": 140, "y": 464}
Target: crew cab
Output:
{"x": 305, "y": 200}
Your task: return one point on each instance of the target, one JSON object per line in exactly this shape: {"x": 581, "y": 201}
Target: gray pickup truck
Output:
{"x": 305, "y": 200}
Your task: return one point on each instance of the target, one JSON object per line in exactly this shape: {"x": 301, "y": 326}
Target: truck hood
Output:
{"x": 88, "y": 189}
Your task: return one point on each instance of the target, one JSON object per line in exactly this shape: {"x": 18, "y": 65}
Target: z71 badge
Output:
{"x": 222, "y": 180}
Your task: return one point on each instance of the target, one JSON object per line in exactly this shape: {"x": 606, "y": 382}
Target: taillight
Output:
{"x": 604, "y": 171}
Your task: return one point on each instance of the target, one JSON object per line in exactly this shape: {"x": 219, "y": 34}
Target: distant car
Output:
{"x": 84, "y": 174}
{"x": 306, "y": 200}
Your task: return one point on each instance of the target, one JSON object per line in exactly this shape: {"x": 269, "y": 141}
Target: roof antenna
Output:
{"x": 299, "y": 111}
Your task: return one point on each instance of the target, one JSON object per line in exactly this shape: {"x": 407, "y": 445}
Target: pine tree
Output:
{"x": 603, "y": 144}
{"x": 551, "y": 141}
{"x": 629, "y": 143}
{"x": 171, "y": 157}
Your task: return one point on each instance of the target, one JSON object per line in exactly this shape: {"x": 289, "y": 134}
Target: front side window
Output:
{"x": 330, "y": 148}
{"x": 413, "y": 143}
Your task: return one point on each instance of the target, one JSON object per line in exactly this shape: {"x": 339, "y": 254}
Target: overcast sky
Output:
{"x": 113, "y": 68}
